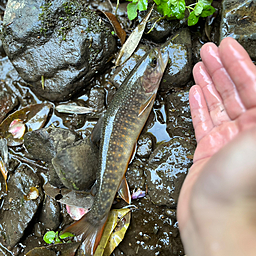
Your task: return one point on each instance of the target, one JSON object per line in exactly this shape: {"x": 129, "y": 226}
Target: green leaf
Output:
{"x": 205, "y": 2}
{"x": 142, "y": 5}
{"x": 198, "y": 8}
{"x": 208, "y": 10}
{"x": 192, "y": 19}
{"x": 132, "y": 11}
{"x": 66, "y": 235}
{"x": 179, "y": 9}
{"x": 164, "y": 9}
{"x": 49, "y": 237}
{"x": 157, "y": 2}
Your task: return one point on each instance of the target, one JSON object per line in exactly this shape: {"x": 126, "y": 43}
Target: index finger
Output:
{"x": 241, "y": 70}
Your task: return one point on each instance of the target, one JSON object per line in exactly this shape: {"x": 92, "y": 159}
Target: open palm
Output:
{"x": 223, "y": 108}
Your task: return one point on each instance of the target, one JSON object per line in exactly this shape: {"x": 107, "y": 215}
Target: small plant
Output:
{"x": 52, "y": 237}
{"x": 173, "y": 9}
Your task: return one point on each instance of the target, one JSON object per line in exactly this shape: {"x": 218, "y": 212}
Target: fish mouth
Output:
{"x": 163, "y": 56}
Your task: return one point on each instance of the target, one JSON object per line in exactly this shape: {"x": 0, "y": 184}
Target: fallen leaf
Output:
{"x": 116, "y": 25}
{"x": 17, "y": 128}
{"x": 138, "y": 194}
{"x": 3, "y": 179}
{"x": 133, "y": 40}
{"x": 4, "y": 151}
{"x": 118, "y": 221}
{"x": 33, "y": 116}
{"x": 32, "y": 194}
{"x": 76, "y": 213}
{"x": 71, "y": 109}
{"x": 118, "y": 234}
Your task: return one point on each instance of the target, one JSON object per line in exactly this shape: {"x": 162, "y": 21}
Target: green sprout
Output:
{"x": 173, "y": 9}
{"x": 52, "y": 237}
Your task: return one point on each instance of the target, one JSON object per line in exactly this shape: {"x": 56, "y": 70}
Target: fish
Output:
{"x": 121, "y": 126}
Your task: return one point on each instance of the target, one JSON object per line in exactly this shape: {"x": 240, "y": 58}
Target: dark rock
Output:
{"x": 50, "y": 214}
{"x": 76, "y": 165}
{"x": 162, "y": 29}
{"x": 144, "y": 145}
{"x": 30, "y": 243}
{"x": 197, "y": 45}
{"x": 97, "y": 99}
{"x": 166, "y": 171}
{"x": 179, "y": 121}
{"x": 55, "y": 249}
{"x": 238, "y": 21}
{"x": 60, "y": 42}
{"x": 17, "y": 212}
{"x": 178, "y": 70}
{"x": 135, "y": 175}
{"x": 7, "y": 103}
{"x": 141, "y": 239}
{"x": 43, "y": 144}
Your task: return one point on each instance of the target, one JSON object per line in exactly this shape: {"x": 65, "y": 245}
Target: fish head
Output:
{"x": 156, "y": 62}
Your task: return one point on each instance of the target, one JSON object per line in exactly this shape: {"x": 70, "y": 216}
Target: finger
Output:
{"x": 202, "y": 121}
{"x": 222, "y": 81}
{"x": 214, "y": 102}
{"x": 241, "y": 70}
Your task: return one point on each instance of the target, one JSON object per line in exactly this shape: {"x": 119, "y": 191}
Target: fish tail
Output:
{"x": 91, "y": 232}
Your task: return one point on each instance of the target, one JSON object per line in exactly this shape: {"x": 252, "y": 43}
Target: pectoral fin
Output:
{"x": 147, "y": 103}
{"x": 124, "y": 191}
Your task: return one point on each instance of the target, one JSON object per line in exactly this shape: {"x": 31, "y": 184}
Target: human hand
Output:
{"x": 217, "y": 204}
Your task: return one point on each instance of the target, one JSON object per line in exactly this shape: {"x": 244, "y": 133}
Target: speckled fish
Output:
{"x": 121, "y": 127}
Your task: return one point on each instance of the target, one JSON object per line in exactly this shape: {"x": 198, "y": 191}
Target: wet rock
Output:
{"x": 166, "y": 171}
{"x": 141, "y": 239}
{"x": 16, "y": 211}
{"x": 56, "y": 46}
{"x": 31, "y": 242}
{"x": 135, "y": 175}
{"x": 162, "y": 29}
{"x": 179, "y": 121}
{"x": 76, "y": 165}
{"x": 238, "y": 21}
{"x": 7, "y": 102}
{"x": 144, "y": 145}
{"x": 197, "y": 45}
{"x": 97, "y": 99}
{"x": 50, "y": 214}
{"x": 178, "y": 70}
{"x": 43, "y": 144}
{"x": 65, "y": 249}
{"x": 79, "y": 199}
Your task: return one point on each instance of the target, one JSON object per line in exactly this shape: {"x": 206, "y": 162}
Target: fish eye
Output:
{"x": 153, "y": 62}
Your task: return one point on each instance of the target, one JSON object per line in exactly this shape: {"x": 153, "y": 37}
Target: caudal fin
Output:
{"x": 91, "y": 233}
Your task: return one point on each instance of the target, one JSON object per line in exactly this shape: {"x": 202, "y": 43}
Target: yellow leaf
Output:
{"x": 114, "y": 220}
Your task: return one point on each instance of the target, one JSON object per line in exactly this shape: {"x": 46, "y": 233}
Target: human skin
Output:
{"x": 217, "y": 204}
